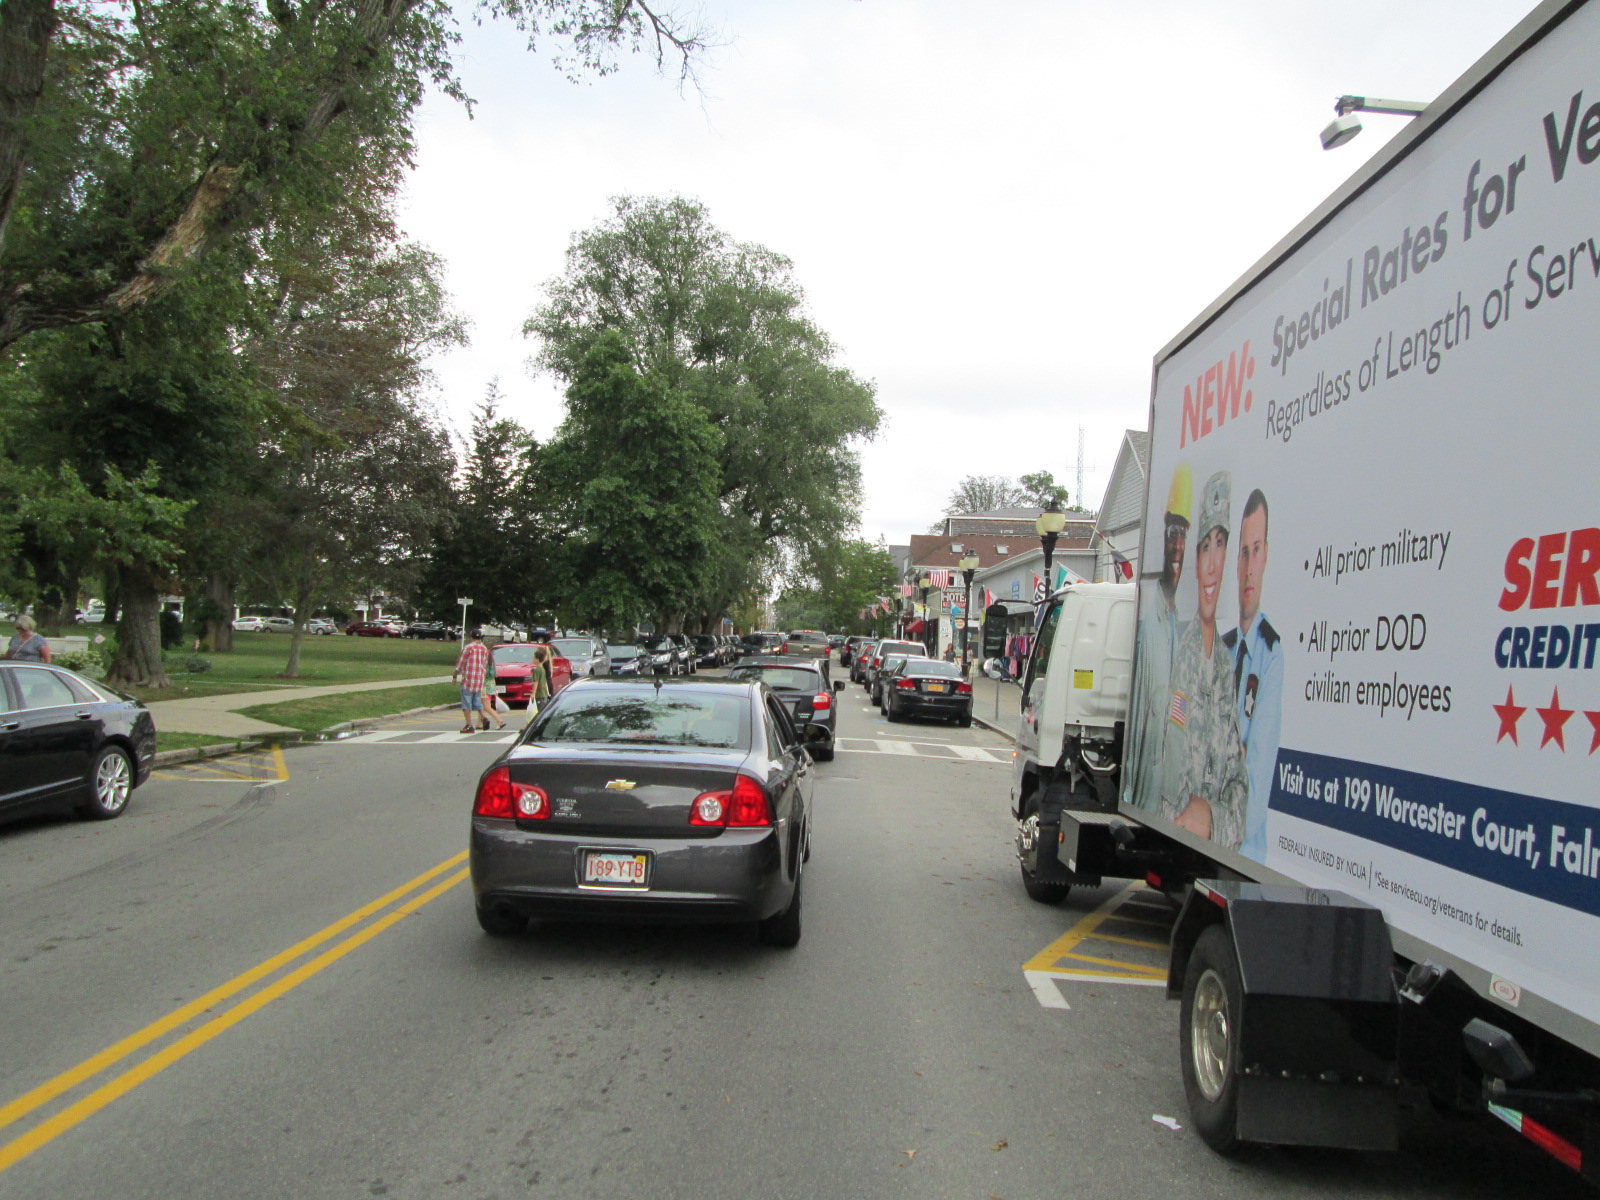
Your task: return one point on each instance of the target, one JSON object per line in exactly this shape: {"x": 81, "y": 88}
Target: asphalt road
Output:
{"x": 266, "y": 981}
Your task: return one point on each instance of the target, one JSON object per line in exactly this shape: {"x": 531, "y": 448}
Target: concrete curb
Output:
{"x": 993, "y": 728}
{"x": 166, "y": 758}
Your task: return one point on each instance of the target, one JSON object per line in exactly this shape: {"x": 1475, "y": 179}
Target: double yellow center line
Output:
{"x": 19, "y": 1147}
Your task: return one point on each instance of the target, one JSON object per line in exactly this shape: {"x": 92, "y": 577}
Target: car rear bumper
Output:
{"x": 738, "y": 875}
{"x": 942, "y": 706}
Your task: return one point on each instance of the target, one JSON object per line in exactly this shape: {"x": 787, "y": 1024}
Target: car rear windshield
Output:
{"x": 624, "y": 652}
{"x": 792, "y": 679}
{"x": 513, "y": 654}
{"x": 807, "y": 635}
{"x": 931, "y": 667}
{"x": 913, "y": 649}
{"x": 673, "y": 717}
{"x": 573, "y": 647}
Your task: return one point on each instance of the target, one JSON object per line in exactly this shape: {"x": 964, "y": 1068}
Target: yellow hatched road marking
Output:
{"x": 1085, "y": 927}
{"x": 1126, "y": 941}
{"x": 251, "y": 766}
{"x": 24, "y": 1145}
{"x": 1117, "y": 963}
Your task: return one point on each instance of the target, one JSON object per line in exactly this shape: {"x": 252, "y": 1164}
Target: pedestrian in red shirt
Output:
{"x": 471, "y": 669}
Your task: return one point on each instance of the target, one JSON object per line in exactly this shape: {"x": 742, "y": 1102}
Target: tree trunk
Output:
{"x": 138, "y": 661}
{"x": 219, "y": 625}
{"x": 26, "y": 27}
{"x": 296, "y": 637}
{"x": 113, "y": 598}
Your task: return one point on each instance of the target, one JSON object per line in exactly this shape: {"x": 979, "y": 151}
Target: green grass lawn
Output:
{"x": 318, "y": 714}
{"x": 257, "y": 660}
{"x": 189, "y": 741}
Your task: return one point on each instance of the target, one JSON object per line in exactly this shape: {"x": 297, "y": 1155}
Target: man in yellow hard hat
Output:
{"x": 1147, "y": 783}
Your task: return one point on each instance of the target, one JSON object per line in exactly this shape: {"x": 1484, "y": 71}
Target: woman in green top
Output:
{"x": 491, "y": 689}
{"x": 539, "y": 679}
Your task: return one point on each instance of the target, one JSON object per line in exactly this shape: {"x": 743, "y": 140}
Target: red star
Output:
{"x": 1594, "y": 719}
{"x": 1554, "y": 718}
{"x": 1510, "y": 713}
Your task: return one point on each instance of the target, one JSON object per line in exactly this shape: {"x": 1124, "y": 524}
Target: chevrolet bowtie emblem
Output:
{"x": 620, "y": 785}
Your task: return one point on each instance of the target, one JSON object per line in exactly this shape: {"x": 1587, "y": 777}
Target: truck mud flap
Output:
{"x": 1318, "y": 1030}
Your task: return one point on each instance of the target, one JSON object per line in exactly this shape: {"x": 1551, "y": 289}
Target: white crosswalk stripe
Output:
{"x": 418, "y": 737}
{"x": 949, "y": 751}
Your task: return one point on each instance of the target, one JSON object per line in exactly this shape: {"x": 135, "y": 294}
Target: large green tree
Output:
{"x": 722, "y": 324}
{"x": 495, "y": 544}
{"x": 358, "y": 479}
{"x": 137, "y": 136}
{"x": 636, "y": 463}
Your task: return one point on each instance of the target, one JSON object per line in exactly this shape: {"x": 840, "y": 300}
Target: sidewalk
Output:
{"x": 991, "y": 696}
{"x": 218, "y": 715}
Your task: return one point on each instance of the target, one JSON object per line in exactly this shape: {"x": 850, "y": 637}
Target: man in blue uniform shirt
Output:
{"x": 1258, "y": 672}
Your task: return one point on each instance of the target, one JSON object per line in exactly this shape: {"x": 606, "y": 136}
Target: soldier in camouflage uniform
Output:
{"x": 1211, "y": 793}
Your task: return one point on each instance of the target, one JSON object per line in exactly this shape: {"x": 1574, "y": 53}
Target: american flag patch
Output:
{"x": 1179, "y": 712}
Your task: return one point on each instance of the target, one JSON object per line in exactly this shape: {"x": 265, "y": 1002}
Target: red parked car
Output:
{"x": 513, "y": 664}
{"x": 370, "y": 629}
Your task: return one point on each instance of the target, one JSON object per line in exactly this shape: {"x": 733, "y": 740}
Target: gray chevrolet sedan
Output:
{"x": 648, "y": 800}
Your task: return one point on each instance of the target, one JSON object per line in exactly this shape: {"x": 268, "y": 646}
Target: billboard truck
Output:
{"x": 1350, "y": 712}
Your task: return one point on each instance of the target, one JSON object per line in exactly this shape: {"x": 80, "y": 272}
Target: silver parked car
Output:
{"x": 588, "y": 655}
{"x": 648, "y": 800}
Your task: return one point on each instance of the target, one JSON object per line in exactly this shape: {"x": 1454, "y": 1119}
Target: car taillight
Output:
{"x": 906, "y": 685}
{"x": 494, "y": 795}
{"x": 742, "y": 807}
{"x": 964, "y": 688}
{"x": 498, "y": 796}
{"x": 821, "y": 702}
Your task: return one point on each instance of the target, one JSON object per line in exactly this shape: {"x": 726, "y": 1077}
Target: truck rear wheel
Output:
{"x": 1044, "y": 891}
{"x": 1208, "y": 1033}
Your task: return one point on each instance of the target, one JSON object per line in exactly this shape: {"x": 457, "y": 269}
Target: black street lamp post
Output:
{"x": 969, "y": 567}
{"x": 1049, "y": 526}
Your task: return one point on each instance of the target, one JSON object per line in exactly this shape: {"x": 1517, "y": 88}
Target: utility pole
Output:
{"x": 1077, "y": 496}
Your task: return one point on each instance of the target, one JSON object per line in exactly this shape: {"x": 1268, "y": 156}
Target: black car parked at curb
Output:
{"x": 925, "y": 687}
{"x": 69, "y": 743}
{"x": 648, "y": 800}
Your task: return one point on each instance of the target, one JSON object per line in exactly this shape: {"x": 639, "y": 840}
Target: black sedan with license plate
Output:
{"x": 648, "y": 800}
{"x": 926, "y": 687}
{"x": 802, "y": 687}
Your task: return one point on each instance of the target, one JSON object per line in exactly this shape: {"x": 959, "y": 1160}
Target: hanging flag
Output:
{"x": 906, "y": 589}
{"x": 988, "y": 597}
{"x": 1120, "y": 566}
{"x": 939, "y": 579}
{"x": 1066, "y": 575}
{"x": 1040, "y": 595}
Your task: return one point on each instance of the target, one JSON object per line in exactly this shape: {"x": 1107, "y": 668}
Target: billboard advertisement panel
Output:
{"x": 1369, "y": 643}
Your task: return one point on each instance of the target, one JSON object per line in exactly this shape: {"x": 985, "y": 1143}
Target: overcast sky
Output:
{"x": 999, "y": 211}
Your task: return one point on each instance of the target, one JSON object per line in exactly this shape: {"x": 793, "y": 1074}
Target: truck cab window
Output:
{"x": 1039, "y": 660}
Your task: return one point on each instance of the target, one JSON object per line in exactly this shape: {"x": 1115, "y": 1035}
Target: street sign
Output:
{"x": 463, "y": 601}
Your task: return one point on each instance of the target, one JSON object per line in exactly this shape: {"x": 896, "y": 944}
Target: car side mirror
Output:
{"x": 993, "y": 669}
{"x": 838, "y": 685}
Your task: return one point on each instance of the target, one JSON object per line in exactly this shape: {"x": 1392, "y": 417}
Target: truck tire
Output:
{"x": 1208, "y": 1035}
{"x": 1043, "y": 891}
